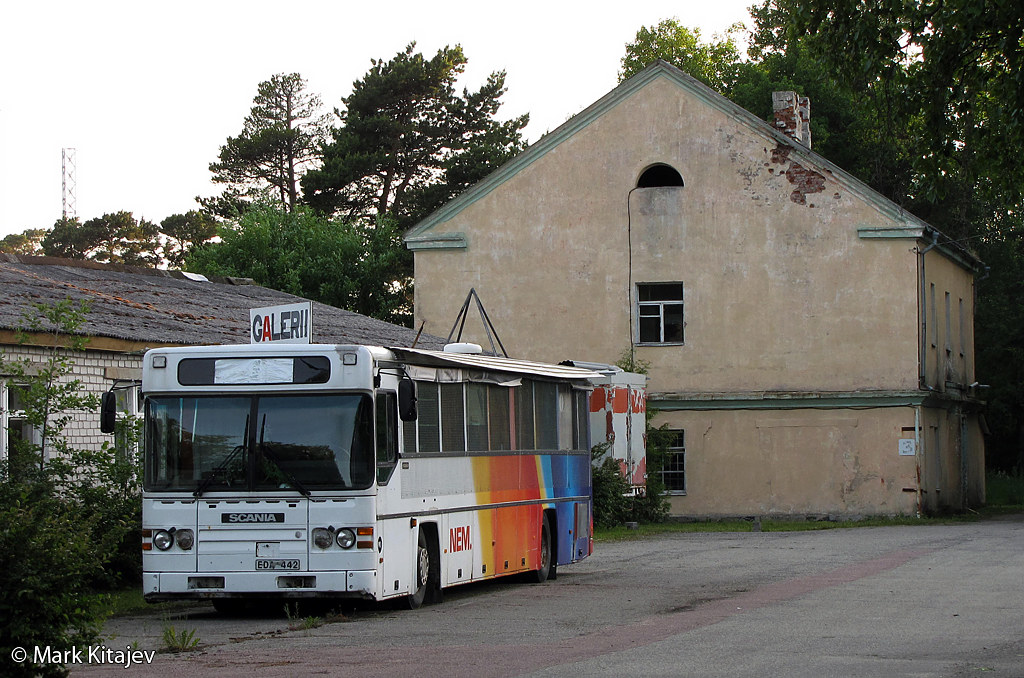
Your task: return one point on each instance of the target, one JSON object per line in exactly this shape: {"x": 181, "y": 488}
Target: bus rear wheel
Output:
{"x": 540, "y": 575}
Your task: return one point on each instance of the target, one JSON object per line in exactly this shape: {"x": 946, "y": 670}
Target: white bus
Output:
{"x": 304, "y": 470}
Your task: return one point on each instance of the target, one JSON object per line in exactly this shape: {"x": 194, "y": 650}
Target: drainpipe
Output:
{"x": 918, "y": 455}
{"x": 964, "y": 450}
{"x": 629, "y": 275}
{"x": 922, "y": 377}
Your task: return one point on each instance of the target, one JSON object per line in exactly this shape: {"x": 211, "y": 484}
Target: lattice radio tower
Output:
{"x": 67, "y": 156}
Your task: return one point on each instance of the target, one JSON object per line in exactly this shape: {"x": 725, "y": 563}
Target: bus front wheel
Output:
{"x": 421, "y": 573}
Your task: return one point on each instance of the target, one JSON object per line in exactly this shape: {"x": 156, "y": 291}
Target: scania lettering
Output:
{"x": 252, "y": 518}
{"x": 305, "y": 470}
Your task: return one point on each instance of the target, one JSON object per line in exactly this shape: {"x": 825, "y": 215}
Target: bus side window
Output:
{"x": 387, "y": 435}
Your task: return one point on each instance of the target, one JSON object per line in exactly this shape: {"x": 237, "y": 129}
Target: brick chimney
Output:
{"x": 793, "y": 116}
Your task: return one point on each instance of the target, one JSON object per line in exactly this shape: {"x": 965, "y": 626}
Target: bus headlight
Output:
{"x": 322, "y": 538}
{"x": 185, "y": 539}
{"x": 346, "y": 538}
{"x": 163, "y": 540}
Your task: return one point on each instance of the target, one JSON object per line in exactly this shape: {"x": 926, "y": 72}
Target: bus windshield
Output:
{"x": 259, "y": 443}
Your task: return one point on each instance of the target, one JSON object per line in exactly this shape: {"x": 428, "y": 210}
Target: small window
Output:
{"x": 499, "y": 418}
{"x": 934, "y": 315}
{"x": 673, "y": 470}
{"x": 453, "y": 418}
{"x": 128, "y": 406}
{"x": 20, "y": 439}
{"x": 524, "y": 416}
{"x": 476, "y": 416}
{"x": 949, "y": 325}
{"x": 660, "y": 313}
{"x": 660, "y": 175}
{"x": 580, "y": 420}
{"x": 428, "y": 417}
{"x": 387, "y": 435}
{"x": 546, "y": 414}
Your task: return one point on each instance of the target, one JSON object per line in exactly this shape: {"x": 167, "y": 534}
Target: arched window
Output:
{"x": 659, "y": 175}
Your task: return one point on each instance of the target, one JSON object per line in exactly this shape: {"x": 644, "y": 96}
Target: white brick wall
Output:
{"x": 94, "y": 370}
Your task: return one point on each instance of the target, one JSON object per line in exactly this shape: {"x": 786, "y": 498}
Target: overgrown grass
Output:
{"x": 1005, "y": 489}
{"x": 621, "y": 533}
{"x": 129, "y": 601}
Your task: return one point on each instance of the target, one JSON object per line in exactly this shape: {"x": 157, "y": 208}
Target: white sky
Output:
{"x": 147, "y": 92}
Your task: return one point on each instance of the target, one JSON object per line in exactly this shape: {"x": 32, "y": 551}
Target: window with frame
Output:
{"x": 386, "y": 415}
{"x": 660, "y": 313}
{"x": 16, "y": 429}
{"x": 128, "y": 406}
{"x": 482, "y": 417}
{"x": 673, "y": 468}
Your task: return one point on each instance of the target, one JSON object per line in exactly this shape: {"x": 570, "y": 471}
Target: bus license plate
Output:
{"x": 277, "y": 564}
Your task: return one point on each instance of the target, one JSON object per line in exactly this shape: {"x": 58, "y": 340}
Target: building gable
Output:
{"x": 805, "y": 169}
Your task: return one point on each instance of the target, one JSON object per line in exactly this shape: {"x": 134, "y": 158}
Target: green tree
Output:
{"x": 66, "y": 240}
{"x": 946, "y": 80}
{"x": 999, "y": 337}
{"x": 116, "y": 237}
{"x": 356, "y": 266}
{"x": 715, "y": 63}
{"x": 29, "y": 241}
{"x": 183, "y": 232}
{"x": 407, "y": 142}
{"x": 280, "y": 140}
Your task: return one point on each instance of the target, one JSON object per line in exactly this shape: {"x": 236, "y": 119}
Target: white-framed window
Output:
{"x": 129, "y": 404}
{"x": 659, "y": 313}
{"x": 13, "y": 423}
{"x": 673, "y": 470}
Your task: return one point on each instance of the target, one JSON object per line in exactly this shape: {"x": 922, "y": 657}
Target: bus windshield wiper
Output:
{"x": 221, "y": 467}
{"x": 277, "y": 462}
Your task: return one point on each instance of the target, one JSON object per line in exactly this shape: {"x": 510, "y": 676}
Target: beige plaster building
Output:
{"x": 810, "y": 343}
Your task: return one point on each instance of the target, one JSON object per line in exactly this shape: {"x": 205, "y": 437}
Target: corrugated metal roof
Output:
{"x": 166, "y": 307}
{"x": 493, "y": 364}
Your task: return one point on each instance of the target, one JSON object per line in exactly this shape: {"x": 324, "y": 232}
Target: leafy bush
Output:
{"x": 47, "y": 560}
{"x": 1004, "y": 489}
{"x": 611, "y": 489}
{"x": 65, "y": 513}
{"x": 614, "y": 500}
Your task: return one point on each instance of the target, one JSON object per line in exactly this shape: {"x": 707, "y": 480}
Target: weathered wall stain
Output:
{"x": 780, "y": 154}
{"x": 804, "y": 181}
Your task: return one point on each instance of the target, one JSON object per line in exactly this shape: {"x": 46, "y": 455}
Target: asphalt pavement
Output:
{"x": 927, "y": 600}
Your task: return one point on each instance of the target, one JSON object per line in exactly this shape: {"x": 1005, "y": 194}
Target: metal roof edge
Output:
{"x": 494, "y": 364}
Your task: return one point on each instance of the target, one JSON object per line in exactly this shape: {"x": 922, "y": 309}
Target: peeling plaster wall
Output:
{"x": 780, "y": 293}
{"x": 796, "y": 463}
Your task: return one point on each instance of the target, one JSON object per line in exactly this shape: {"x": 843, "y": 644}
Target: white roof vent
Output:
{"x": 464, "y": 347}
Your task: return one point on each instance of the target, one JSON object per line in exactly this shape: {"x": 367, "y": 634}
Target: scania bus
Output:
{"x": 305, "y": 470}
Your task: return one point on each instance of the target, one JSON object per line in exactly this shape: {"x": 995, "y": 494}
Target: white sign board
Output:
{"x": 290, "y": 324}
{"x": 908, "y": 447}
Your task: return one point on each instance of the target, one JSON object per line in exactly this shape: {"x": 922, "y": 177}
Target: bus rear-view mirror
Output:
{"x": 407, "y": 400}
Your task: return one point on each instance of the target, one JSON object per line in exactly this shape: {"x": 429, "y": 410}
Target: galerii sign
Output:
{"x": 290, "y": 323}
